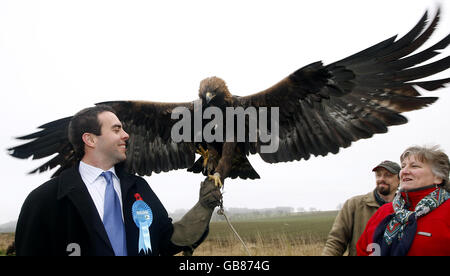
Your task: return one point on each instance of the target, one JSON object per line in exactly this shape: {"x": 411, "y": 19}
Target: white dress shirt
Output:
{"x": 96, "y": 185}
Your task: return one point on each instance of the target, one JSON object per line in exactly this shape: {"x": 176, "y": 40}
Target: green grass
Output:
{"x": 315, "y": 225}
{"x": 5, "y": 240}
{"x": 301, "y": 234}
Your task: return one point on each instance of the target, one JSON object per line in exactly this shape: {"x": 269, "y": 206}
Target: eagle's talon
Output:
{"x": 205, "y": 154}
{"x": 201, "y": 150}
{"x": 217, "y": 182}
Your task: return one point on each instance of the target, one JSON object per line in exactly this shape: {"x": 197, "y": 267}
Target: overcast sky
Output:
{"x": 57, "y": 57}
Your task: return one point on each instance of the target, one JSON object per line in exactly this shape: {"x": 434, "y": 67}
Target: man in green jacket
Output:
{"x": 353, "y": 217}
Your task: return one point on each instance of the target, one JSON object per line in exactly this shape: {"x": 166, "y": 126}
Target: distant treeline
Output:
{"x": 246, "y": 213}
{"x": 9, "y": 227}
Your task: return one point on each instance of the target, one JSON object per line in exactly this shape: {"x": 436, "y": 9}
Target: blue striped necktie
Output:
{"x": 112, "y": 217}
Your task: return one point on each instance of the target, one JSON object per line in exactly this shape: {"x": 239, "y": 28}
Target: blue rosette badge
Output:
{"x": 143, "y": 217}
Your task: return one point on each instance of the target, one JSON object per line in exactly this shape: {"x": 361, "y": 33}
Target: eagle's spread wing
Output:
{"x": 51, "y": 139}
{"x": 149, "y": 148}
{"x": 324, "y": 108}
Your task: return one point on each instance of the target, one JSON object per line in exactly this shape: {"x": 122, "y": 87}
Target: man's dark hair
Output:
{"x": 85, "y": 121}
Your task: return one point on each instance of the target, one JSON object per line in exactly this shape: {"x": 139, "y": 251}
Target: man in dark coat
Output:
{"x": 67, "y": 215}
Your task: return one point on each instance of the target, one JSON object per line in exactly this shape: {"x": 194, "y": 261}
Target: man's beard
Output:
{"x": 383, "y": 190}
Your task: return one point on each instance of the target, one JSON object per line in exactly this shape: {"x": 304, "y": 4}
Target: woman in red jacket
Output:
{"x": 417, "y": 222}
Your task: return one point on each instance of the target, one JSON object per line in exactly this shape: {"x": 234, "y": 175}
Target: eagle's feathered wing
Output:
{"x": 325, "y": 108}
{"x": 51, "y": 139}
{"x": 149, "y": 148}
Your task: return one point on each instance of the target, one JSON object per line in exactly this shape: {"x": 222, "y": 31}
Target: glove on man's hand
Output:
{"x": 210, "y": 195}
{"x": 192, "y": 226}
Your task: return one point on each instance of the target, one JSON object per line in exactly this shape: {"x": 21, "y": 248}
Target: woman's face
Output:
{"x": 416, "y": 174}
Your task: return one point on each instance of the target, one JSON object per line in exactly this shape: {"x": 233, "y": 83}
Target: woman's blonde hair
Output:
{"x": 435, "y": 157}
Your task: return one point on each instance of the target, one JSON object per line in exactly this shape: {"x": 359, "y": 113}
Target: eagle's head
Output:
{"x": 214, "y": 92}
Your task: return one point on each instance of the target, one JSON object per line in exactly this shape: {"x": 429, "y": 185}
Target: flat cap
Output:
{"x": 392, "y": 167}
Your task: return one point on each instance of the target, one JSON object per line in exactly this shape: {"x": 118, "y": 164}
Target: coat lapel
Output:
{"x": 72, "y": 186}
{"x": 127, "y": 181}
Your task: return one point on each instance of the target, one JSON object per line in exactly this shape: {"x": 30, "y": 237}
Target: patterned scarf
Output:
{"x": 396, "y": 232}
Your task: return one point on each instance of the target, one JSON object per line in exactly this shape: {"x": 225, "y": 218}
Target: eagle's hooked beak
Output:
{"x": 209, "y": 97}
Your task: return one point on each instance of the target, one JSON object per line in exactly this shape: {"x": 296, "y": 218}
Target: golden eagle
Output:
{"x": 321, "y": 108}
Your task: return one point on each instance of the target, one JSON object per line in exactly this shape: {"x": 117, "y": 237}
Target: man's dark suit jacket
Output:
{"x": 60, "y": 214}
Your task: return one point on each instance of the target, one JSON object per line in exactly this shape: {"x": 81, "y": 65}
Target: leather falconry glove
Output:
{"x": 192, "y": 228}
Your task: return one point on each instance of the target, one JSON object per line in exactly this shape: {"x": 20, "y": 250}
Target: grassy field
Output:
{"x": 5, "y": 240}
{"x": 301, "y": 234}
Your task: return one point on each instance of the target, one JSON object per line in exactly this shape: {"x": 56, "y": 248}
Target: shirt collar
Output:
{"x": 91, "y": 173}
